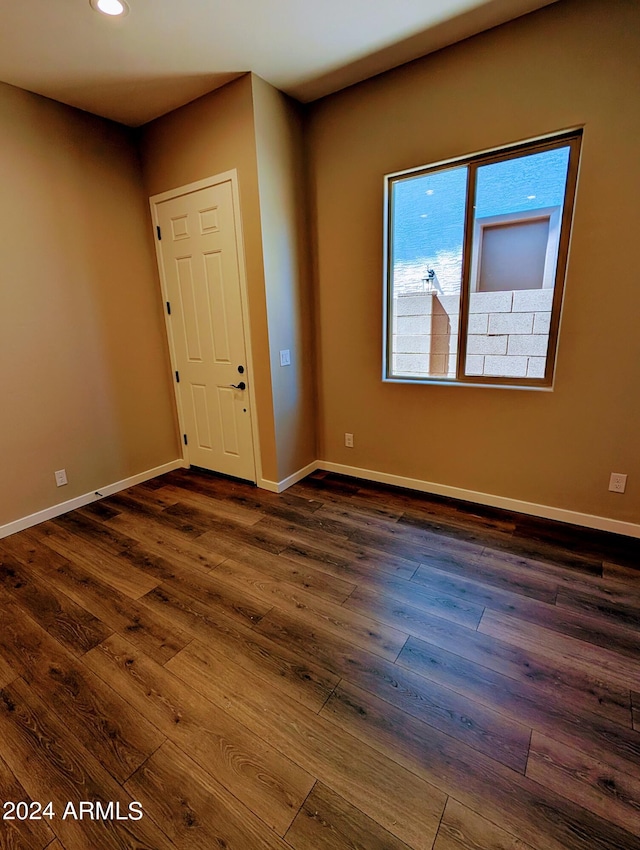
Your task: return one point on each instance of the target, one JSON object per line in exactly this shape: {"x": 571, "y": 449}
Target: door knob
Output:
{"x": 240, "y": 386}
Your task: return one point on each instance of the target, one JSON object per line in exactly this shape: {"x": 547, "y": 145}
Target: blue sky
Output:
{"x": 429, "y": 210}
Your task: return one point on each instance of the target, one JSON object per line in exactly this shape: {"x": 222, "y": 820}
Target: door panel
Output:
{"x": 199, "y": 250}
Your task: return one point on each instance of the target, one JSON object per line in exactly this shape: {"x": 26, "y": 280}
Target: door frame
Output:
{"x": 232, "y": 177}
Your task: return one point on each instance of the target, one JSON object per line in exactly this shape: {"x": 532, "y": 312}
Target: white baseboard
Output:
{"x": 87, "y": 498}
{"x": 280, "y": 486}
{"x": 615, "y": 526}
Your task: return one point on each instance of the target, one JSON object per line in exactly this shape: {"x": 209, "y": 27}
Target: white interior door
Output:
{"x": 200, "y": 255}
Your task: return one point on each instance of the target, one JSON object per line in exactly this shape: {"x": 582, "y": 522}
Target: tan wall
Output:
{"x": 207, "y": 137}
{"x": 281, "y": 178}
{"x": 572, "y": 63}
{"x": 84, "y": 365}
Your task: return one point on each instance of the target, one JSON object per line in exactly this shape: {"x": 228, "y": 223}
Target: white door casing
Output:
{"x": 201, "y": 263}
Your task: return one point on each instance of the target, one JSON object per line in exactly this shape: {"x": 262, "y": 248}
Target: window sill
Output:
{"x": 436, "y": 382}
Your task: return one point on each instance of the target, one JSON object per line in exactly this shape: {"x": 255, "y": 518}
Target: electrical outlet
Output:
{"x": 61, "y": 477}
{"x": 348, "y": 440}
{"x": 285, "y": 357}
{"x": 618, "y": 482}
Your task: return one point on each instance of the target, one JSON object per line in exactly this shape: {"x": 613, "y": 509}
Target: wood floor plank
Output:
{"x": 349, "y": 560}
{"x": 530, "y": 812}
{"x": 463, "y": 829}
{"x": 235, "y": 600}
{"x": 616, "y": 588}
{"x": 478, "y": 518}
{"x": 610, "y": 793}
{"x": 599, "y": 631}
{"x": 88, "y": 528}
{"x": 209, "y": 528}
{"x": 194, "y": 809}
{"x": 219, "y": 508}
{"x": 363, "y": 631}
{"x": 153, "y": 491}
{"x": 262, "y": 576}
{"x": 304, "y": 670}
{"x": 155, "y": 512}
{"x": 76, "y": 628}
{"x": 307, "y": 578}
{"x": 413, "y": 544}
{"x": 521, "y": 544}
{"x": 538, "y": 708}
{"x": 584, "y": 688}
{"x": 172, "y": 600}
{"x": 360, "y": 513}
{"x": 194, "y": 616}
{"x": 495, "y": 587}
{"x": 18, "y": 834}
{"x": 324, "y": 482}
{"x": 620, "y": 668}
{"x": 544, "y": 558}
{"x": 413, "y": 619}
{"x": 327, "y": 822}
{"x": 237, "y": 492}
{"x": 7, "y": 672}
{"x": 298, "y": 676}
{"x": 52, "y": 766}
{"x": 155, "y": 538}
{"x": 148, "y": 567}
{"x": 621, "y": 572}
{"x": 114, "y": 570}
{"x": 463, "y": 719}
{"x": 457, "y": 607}
{"x": 290, "y": 528}
{"x": 154, "y": 634}
{"x": 95, "y": 714}
{"x": 373, "y": 576}
{"x": 394, "y": 797}
{"x": 307, "y": 490}
{"x": 357, "y": 516}
{"x": 620, "y": 589}
{"x": 101, "y": 510}
{"x": 268, "y": 783}
{"x": 622, "y": 613}
{"x": 456, "y": 529}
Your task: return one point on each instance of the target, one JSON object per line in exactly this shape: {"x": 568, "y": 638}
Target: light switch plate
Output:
{"x": 285, "y": 357}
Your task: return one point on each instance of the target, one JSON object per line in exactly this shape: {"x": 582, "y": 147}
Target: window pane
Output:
{"x": 514, "y": 253}
{"x": 427, "y": 231}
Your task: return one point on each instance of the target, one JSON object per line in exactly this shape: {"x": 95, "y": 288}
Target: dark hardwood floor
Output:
{"x": 344, "y": 665}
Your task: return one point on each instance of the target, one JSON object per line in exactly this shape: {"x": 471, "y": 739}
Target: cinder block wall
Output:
{"x": 508, "y": 333}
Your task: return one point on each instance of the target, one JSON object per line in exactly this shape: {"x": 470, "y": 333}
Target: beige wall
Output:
{"x": 207, "y": 137}
{"x": 281, "y": 179}
{"x": 85, "y": 369}
{"x": 573, "y": 63}
{"x": 84, "y": 365}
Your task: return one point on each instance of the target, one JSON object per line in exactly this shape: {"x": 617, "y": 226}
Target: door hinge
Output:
{"x": 184, "y": 437}
{"x": 159, "y": 232}
{"x": 169, "y": 307}
{"x": 177, "y": 377}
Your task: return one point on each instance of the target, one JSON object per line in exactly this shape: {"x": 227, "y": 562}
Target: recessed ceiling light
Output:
{"x": 114, "y": 8}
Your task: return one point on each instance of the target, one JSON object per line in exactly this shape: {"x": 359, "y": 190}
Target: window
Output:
{"x": 476, "y": 252}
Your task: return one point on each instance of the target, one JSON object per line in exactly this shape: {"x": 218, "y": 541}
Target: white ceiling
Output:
{"x": 165, "y": 53}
